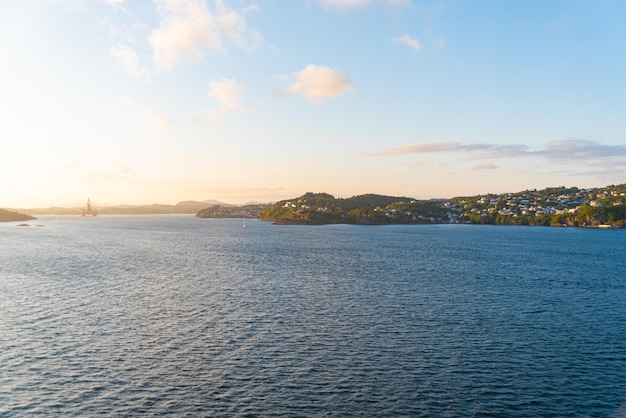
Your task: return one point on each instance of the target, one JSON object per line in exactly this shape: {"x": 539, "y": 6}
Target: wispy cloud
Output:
{"x": 227, "y": 93}
{"x": 561, "y": 150}
{"x": 407, "y": 40}
{"x": 116, "y": 4}
{"x": 128, "y": 60}
{"x": 156, "y": 121}
{"x": 484, "y": 166}
{"x": 449, "y": 146}
{"x": 581, "y": 149}
{"x": 318, "y": 83}
{"x": 355, "y": 4}
{"x": 188, "y": 29}
{"x": 233, "y": 26}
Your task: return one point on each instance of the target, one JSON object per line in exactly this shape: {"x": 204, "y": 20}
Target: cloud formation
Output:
{"x": 484, "y": 166}
{"x": 128, "y": 60}
{"x": 449, "y": 146}
{"x": 227, "y": 93}
{"x": 318, "y": 83}
{"x": 581, "y": 149}
{"x": 116, "y": 4}
{"x": 356, "y": 4}
{"x": 233, "y": 26}
{"x": 157, "y": 122}
{"x": 562, "y": 150}
{"x": 188, "y": 29}
{"x": 412, "y": 43}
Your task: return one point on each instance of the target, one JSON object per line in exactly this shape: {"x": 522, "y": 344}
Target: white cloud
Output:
{"x": 189, "y": 28}
{"x": 116, "y": 4}
{"x": 227, "y": 93}
{"x": 409, "y": 41}
{"x": 317, "y": 83}
{"x": 485, "y": 166}
{"x": 233, "y": 26}
{"x": 156, "y": 121}
{"x": 128, "y": 60}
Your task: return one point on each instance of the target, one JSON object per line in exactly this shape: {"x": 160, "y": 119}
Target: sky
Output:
{"x": 140, "y": 102}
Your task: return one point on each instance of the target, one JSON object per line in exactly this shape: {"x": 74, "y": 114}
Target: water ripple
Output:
{"x": 128, "y": 316}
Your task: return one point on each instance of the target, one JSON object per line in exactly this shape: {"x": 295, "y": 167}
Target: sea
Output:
{"x": 171, "y": 315}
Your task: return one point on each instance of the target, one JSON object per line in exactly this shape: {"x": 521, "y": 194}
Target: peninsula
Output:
{"x": 10, "y": 216}
{"x": 555, "y": 206}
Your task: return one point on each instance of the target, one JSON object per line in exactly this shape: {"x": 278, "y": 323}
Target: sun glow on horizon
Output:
{"x": 170, "y": 101}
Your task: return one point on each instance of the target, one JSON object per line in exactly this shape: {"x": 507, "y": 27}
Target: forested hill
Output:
{"x": 372, "y": 201}
{"x": 373, "y": 209}
{"x": 553, "y": 206}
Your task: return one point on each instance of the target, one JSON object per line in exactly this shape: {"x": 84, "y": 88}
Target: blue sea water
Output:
{"x": 173, "y": 315}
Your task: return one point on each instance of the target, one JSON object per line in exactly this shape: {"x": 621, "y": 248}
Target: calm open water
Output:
{"x": 173, "y": 315}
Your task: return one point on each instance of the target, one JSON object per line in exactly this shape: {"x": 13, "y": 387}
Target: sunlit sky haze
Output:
{"x": 160, "y": 101}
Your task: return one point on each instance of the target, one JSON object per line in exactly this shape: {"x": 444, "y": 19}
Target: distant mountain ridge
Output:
{"x": 183, "y": 207}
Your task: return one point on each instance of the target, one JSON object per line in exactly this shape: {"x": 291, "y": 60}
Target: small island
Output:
{"x": 10, "y": 216}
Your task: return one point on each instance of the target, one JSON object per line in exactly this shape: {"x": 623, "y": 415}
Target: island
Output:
{"x": 10, "y": 216}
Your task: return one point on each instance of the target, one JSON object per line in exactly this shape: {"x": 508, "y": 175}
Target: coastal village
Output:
{"x": 558, "y": 206}
{"x": 547, "y": 202}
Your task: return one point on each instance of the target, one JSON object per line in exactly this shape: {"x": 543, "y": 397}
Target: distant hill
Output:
{"x": 184, "y": 207}
{"x": 10, "y": 216}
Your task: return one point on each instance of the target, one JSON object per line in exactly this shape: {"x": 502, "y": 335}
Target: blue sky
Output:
{"x": 168, "y": 100}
